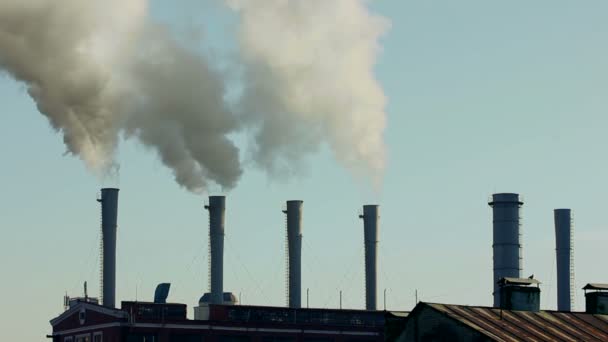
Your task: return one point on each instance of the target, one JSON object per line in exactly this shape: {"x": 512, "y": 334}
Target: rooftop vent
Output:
{"x": 596, "y": 299}
{"x": 161, "y": 293}
{"x": 519, "y": 294}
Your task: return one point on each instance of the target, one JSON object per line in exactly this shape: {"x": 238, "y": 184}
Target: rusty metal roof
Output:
{"x": 509, "y": 325}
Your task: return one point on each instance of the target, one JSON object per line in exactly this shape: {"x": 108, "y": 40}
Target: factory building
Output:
{"x": 162, "y": 322}
{"x": 515, "y": 316}
{"x": 442, "y": 322}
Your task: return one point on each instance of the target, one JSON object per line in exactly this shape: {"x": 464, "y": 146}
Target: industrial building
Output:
{"x": 515, "y": 316}
{"x": 442, "y": 322}
{"x": 161, "y": 322}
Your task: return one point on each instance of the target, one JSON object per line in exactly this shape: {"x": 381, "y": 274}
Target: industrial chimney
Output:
{"x": 565, "y": 259}
{"x": 507, "y": 239}
{"x": 217, "y": 208}
{"x": 294, "y": 252}
{"x": 370, "y": 227}
{"x": 109, "y": 217}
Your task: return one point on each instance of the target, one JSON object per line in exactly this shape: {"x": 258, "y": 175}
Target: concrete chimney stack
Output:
{"x": 370, "y": 228}
{"x": 294, "y": 251}
{"x": 109, "y": 219}
{"x": 565, "y": 259}
{"x": 217, "y": 209}
{"x": 507, "y": 239}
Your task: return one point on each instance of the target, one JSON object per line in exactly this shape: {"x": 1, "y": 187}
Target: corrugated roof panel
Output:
{"x": 579, "y": 328}
{"x": 507, "y": 325}
{"x": 455, "y": 315}
{"x": 485, "y": 325}
{"x": 526, "y": 327}
{"x": 543, "y": 320}
{"x": 598, "y": 322}
{"x": 502, "y": 326}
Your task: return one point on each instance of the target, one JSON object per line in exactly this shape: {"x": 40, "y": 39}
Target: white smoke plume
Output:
{"x": 57, "y": 49}
{"x": 99, "y": 70}
{"x": 309, "y": 79}
{"x": 181, "y": 113}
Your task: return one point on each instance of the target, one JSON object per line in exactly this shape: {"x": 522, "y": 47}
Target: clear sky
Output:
{"x": 484, "y": 96}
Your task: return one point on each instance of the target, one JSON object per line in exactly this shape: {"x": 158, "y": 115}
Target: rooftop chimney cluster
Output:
{"x": 510, "y": 291}
{"x": 293, "y": 213}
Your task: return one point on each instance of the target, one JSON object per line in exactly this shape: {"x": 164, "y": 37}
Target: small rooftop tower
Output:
{"x": 519, "y": 294}
{"x": 565, "y": 259}
{"x": 217, "y": 208}
{"x": 109, "y": 219}
{"x": 294, "y": 252}
{"x": 596, "y": 298}
{"x": 370, "y": 231}
{"x": 507, "y": 239}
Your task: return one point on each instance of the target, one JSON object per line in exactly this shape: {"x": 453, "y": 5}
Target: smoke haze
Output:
{"x": 102, "y": 69}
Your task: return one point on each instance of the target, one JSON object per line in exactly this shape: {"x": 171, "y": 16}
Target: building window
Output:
{"x": 227, "y": 338}
{"x": 83, "y": 338}
{"x": 68, "y": 339}
{"x": 98, "y": 336}
{"x": 278, "y": 339}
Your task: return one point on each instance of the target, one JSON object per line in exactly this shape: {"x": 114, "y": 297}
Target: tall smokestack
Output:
{"x": 507, "y": 239}
{"x": 109, "y": 218}
{"x": 217, "y": 209}
{"x": 370, "y": 227}
{"x": 565, "y": 259}
{"x": 294, "y": 251}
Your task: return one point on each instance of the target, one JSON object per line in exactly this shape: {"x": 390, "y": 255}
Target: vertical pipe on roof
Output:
{"x": 217, "y": 209}
{"x": 294, "y": 251}
{"x": 109, "y": 219}
{"x": 370, "y": 231}
{"x": 565, "y": 259}
{"x": 507, "y": 239}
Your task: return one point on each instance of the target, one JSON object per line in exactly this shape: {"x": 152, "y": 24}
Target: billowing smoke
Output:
{"x": 67, "y": 62}
{"x": 180, "y": 112}
{"x": 309, "y": 80}
{"x": 102, "y": 69}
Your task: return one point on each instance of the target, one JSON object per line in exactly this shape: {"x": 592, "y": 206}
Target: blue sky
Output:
{"x": 484, "y": 96}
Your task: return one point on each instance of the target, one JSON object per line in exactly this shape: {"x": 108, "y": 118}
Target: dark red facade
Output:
{"x": 150, "y": 322}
